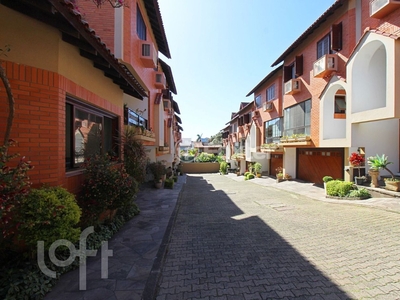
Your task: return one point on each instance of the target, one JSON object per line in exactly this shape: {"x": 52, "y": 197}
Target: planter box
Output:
{"x": 392, "y": 185}
{"x": 201, "y": 167}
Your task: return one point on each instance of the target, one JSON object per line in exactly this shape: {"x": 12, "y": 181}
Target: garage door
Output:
{"x": 276, "y": 161}
{"x": 315, "y": 163}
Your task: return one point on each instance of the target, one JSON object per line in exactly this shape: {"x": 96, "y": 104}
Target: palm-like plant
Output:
{"x": 380, "y": 162}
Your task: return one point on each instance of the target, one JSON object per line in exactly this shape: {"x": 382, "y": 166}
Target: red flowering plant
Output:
{"x": 357, "y": 160}
{"x": 14, "y": 184}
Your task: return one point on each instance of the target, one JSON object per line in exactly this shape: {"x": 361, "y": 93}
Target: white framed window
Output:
{"x": 271, "y": 93}
{"x": 324, "y": 46}
{"x": 258, "y": 101}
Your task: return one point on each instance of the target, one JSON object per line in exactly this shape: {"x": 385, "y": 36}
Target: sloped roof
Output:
{"x": 153, "y": 11}
{"x": 62, "y": 15}
{"x": 331, "y": 10}
{"x": 168, "y": 75}
{"x": 266, "y": 78}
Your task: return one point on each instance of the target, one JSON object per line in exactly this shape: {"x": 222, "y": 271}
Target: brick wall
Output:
{"x": 39, "y": 121}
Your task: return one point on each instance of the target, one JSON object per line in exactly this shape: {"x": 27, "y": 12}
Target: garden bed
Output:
{"x": 347, "y": 198}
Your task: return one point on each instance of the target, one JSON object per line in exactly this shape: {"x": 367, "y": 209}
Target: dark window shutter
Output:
{"x": 336, "y": 37}
{"x": 287, "y": 73}
{"x": 299, "y": 65}
{"x": 246, "y": 118}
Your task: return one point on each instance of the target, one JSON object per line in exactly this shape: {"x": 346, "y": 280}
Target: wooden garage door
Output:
{"x": 315, "y": 163}
{"x": 276, "y": 161}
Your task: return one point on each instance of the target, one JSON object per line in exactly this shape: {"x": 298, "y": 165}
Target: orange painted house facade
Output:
{"x": 71, "y": 85}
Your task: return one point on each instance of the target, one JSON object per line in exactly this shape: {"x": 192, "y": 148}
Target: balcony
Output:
{"x": 325, "y": 65}
{"x": 380, "y": 8}
{"x": 292, "y": 86}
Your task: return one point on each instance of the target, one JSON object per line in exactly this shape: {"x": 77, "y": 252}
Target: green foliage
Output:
{"x": 249, "y": 176}
{"x": 257, "y": 168}
{"x": 220, "y": 158}
{"x": 135, "y": 158}
{"x": 14, "y": 184}
{"x": 193, "y": 151}
{"x": 246, "y": 173}
{"x": 378, "y": 162}
{"x": 106, "y": 186}
{"x": 327, "y": 178}
{"x": 361, "y": 193}
{"x": 339, "y": 188}
{"x": 26, "y": 282}
{"x": 158, "y": 169}
{"x": 48, "y": 214}
{"x": 216, "y": 139}
{"x": 205, "y": 157}
{"x": 169, "y": 183}
{"x": 22, "y": 279}
{"x": 223, "y": 167}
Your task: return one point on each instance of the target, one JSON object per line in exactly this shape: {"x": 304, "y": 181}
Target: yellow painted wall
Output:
{"x": 36, "y": 44}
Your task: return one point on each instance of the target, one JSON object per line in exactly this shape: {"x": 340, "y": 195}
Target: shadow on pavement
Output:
{"x": 216, "y": 251}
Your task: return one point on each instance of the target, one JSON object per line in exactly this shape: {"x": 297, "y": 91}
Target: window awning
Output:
{"x": 178, "y": 119}
{"x": 175, "y": 107}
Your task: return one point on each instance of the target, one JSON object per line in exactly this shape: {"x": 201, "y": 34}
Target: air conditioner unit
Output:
{"x": 255, "y": 114}
{"x": 325, "y": 65}
{"x": 292, "y": 86}
{"x": 160, "y": 81}
{"x": 167, "y": 105}
{"x": 267, "y": 106}
{"x": 148, "y": 54}
{"x": 380, "y": 8}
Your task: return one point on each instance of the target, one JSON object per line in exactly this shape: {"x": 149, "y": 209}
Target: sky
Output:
{"x": 221, "y": 49}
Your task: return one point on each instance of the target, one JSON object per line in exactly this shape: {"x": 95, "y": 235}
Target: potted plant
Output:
{"x": 279, "y": 174}
{"x": 159, "y": 171}
{"x": 257, "y": 169}
{"x": 377, "y": 163}
{"x": 357, "y": 160}
{"x": 326, "y": 179}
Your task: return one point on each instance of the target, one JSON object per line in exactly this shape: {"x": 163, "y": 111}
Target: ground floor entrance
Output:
{"x": 315, "y": 163}
{"x": 276, "y": 161}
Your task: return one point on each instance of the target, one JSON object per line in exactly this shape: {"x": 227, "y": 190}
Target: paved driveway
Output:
{"x": 240, "y": 240}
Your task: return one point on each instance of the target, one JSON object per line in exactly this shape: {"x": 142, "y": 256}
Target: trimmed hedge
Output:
{"x": 339, "y": 188}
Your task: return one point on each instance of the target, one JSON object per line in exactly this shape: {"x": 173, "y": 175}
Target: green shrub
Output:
{"x": 106, "y": 187}
{"x": 223, "y": 167}
{"x": 327, "y": 178}
{"x": 339, "y": 188}
{"x": 169, "y": 183}
{"x": 361, "y": 193}
{"x": 257, "y": 168}
{"x": 205, "y": 157}
{"x": 22, "y": 279}
{"x": 48, "y": 214}
{"x": 250, "y": 176}
{"x": 246, "y": 173}
{"x": 135, "y": 157}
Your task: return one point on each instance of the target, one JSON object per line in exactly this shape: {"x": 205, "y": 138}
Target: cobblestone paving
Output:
{"x": 239, "y": 240}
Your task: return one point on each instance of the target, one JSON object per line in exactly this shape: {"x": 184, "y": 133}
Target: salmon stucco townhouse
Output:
{"x": 333, "y": 92}
{"x": 136, "y": 35}
{"x": 71, "y": 83}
